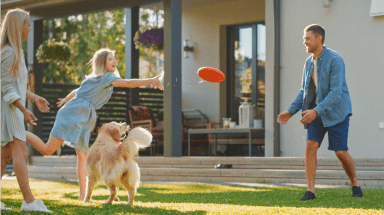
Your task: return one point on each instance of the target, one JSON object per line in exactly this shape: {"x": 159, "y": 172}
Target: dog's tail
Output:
{"x": 138, "y": 138}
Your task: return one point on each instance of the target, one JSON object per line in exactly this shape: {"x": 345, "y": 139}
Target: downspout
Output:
{"x": 276, "y": 90}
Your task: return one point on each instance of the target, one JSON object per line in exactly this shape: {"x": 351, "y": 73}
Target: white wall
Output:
{"x": 201, "y": 26}
{"x": 359, "y": 39}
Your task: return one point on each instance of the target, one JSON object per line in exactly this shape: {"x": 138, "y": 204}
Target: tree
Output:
{"x": 88, "y": 33}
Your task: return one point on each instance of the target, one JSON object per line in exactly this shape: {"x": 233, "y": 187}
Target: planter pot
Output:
{"x": 258, "y": 123}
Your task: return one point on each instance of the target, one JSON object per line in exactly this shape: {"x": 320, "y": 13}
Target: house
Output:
{"x": 225, "y": 33}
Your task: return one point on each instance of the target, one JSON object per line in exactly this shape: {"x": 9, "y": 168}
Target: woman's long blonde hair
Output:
{"x": 11, "y": 31}
{"x": 99, "y": 61}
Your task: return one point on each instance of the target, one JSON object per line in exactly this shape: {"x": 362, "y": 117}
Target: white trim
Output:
{"x": 9, "y": 1}
{"x": 377, "y": 8}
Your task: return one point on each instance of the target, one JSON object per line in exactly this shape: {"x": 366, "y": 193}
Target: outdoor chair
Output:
{"x": 194, "y": 118}
{"x": 143, "y": 116}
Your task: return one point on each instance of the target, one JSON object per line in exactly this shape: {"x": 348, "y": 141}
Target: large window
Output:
{"x": 246, "y": 67}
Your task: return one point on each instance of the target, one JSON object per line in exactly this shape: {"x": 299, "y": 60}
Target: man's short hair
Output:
{"x": 316, "y": 29}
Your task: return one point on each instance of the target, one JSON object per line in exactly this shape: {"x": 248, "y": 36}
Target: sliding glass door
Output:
{"x": 246, "y": 68}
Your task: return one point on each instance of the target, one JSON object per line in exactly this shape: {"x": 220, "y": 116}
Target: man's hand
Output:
{"x": 42, "y": 104}
{"x": 283, "y": 117}
{"x": 309, "y": 116}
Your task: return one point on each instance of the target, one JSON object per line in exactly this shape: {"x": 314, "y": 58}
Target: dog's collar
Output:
{"x": 124, "y": 136}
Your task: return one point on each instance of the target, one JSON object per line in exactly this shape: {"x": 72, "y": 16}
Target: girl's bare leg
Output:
{"x": 20, "y": 155}
{"x": 45, "y": 149}
{"x": 81, "y": 173}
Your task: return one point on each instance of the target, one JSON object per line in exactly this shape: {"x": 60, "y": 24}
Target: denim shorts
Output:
{"x": 337, "y": 134}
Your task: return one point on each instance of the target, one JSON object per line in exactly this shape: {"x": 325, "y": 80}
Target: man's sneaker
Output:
{"x": 356, "y": 191}
{"x": 34, "y": 206}
{"x": 308, "y": 196}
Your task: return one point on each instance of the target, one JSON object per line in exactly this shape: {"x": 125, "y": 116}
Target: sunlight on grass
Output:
{"x": 61, "y": 197}
{"x": 205, "y": 188}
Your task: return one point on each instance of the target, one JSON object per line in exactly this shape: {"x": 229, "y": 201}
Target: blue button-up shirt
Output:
{"x": 332, "y": 90}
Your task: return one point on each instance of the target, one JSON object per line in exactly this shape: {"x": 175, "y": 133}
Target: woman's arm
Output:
{"x": 68, "y": 98}
{"x": 28, "y": 115}
{"x": 41, "y": 103}
{"x": 8, "y": 81}
{"x": 133, "y": 83}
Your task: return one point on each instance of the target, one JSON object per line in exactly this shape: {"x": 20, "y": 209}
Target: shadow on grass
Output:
{"x": 260, "y": 196}
{"x": 282, "y": 197}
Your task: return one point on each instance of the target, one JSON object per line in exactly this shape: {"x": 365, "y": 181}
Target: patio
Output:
{"x": 174, "y": 136}
{"x": 202, "y": 169}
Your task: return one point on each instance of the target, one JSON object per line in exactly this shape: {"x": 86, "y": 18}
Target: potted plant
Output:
{"x": 149, "y": 37}
{"x": 53, "y": 51}
{"x": 258, "y": 117}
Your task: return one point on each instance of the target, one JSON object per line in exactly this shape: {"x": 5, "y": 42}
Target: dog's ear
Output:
{"x": 115, "y": 134}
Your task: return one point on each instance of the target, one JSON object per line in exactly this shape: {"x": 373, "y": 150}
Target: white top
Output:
{"x": 314, "y": 78}
{"x": 12, "y": 89}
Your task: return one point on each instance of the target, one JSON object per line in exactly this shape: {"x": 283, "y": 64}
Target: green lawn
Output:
{"x": 61, "y": 197}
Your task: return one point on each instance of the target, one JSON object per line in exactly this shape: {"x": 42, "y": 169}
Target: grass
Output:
{"x": 61, "y": 197}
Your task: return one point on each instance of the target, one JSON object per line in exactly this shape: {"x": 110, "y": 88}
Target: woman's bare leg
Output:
{"x": 45, "y": 149}
{"x": 6, "y": 157}
{"x": 20, "y": 155}
{"x": 81, "y": 173}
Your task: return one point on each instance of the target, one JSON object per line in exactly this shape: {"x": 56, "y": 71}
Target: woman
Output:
{"x": 14, "y": 30}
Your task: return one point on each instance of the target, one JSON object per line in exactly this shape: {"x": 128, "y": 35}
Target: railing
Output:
{"x": 152, "y": 98}
{"x": 115, "y": 110}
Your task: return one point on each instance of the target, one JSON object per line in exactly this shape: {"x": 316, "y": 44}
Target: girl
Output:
{"x": 77, "y": 117}
{"x": 14, "y": 30}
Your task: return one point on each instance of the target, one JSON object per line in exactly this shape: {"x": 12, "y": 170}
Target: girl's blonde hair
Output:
{"x": 11, "y": 31}
{"x": 99, "y": 61}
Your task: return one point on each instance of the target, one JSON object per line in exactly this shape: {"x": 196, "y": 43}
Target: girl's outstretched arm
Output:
{"x": 67, "y": 98}
{"x": 133, "y": 83}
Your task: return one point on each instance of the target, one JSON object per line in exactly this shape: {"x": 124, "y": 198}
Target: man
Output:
{"x": 326, "y": 104}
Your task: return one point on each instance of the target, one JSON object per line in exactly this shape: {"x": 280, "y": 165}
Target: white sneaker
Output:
{"x": 41, "y": 203}
{"x": 3, "y": 208}
{"x": 34, "y": 206}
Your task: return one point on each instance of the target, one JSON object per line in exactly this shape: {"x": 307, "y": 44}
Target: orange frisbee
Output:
{"x": 211, "y": 74}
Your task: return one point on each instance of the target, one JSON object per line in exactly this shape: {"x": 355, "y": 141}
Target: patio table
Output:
{"x": 216, "y": 131}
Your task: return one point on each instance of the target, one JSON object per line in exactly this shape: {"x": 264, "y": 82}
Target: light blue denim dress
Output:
{"x": 75, "y": 120}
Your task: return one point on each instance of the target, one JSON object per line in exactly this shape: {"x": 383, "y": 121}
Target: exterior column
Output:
{"x": 272, "y": 79}
{"x": 131, "y": 54}
{"x": 34, "y": 41}
{"x": 172, "y": 79}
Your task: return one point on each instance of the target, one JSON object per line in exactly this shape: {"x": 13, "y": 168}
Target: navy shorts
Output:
{"x": 337, "y": 134}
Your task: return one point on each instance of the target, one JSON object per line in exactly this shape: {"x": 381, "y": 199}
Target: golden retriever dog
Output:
{"x": 112, "y": 162}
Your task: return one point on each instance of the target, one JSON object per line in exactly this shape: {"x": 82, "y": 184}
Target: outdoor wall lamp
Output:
{"x": 187, "y": 49}
{"x": 326, "y": 3}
